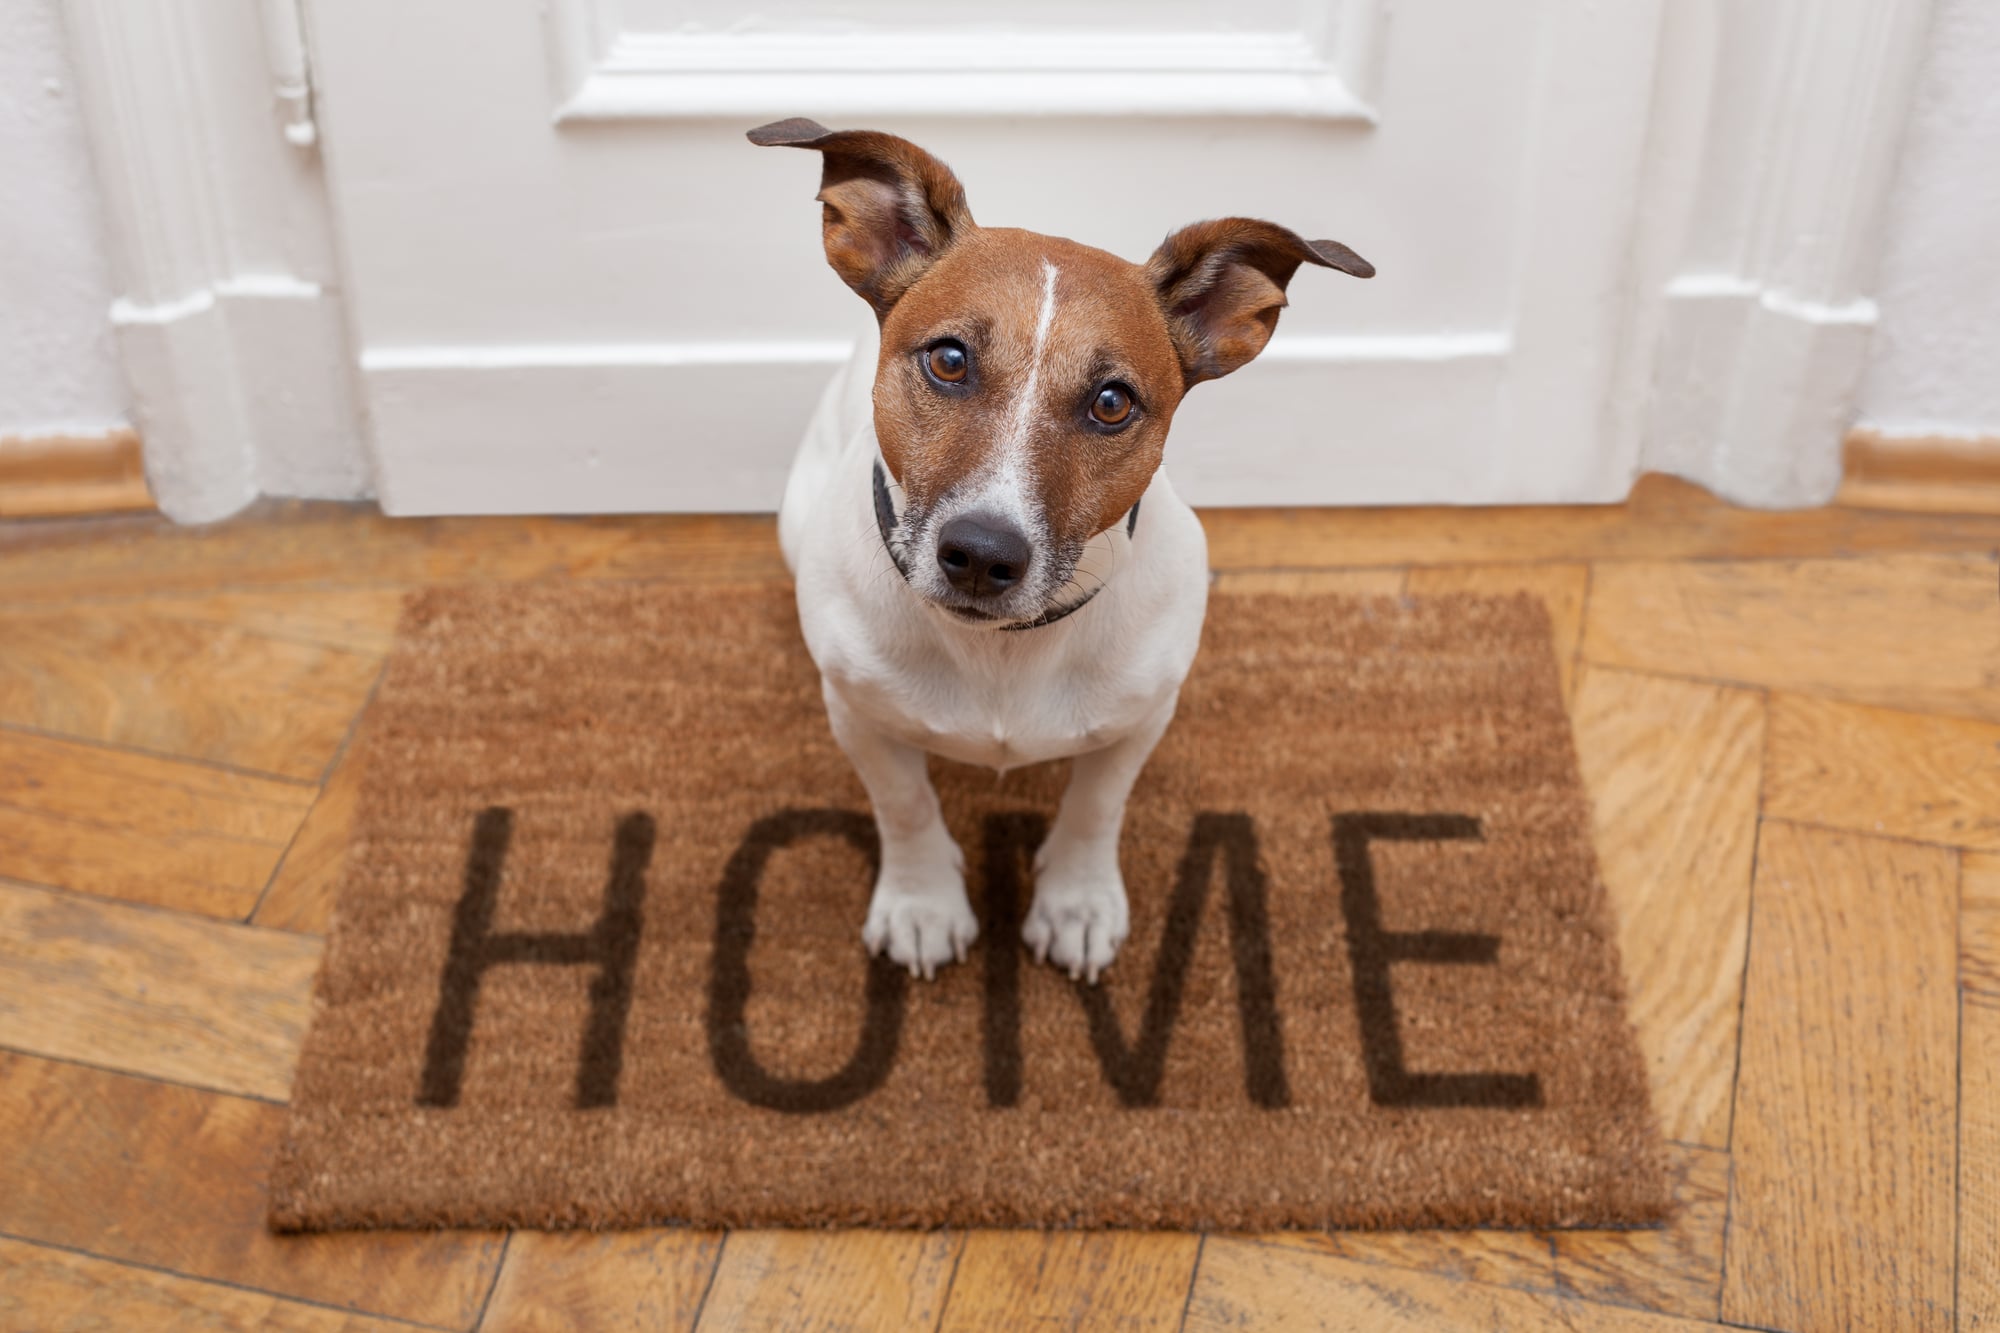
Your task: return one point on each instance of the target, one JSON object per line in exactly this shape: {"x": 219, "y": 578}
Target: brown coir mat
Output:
{"x": 597, "y": 957}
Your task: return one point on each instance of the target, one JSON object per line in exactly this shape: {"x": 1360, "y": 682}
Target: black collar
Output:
{"x": 886, "y": 521}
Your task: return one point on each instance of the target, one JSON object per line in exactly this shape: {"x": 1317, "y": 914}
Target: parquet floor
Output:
{"x": 1790, "y": 725}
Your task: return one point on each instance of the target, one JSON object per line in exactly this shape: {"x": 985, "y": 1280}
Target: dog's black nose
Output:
{"x": 982, "y": 555}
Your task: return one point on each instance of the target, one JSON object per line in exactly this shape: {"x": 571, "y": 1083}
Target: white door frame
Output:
{"x": 1776, "y": 132}
{"x": 228, "y": 317}
{"x": 1758, "y": 214}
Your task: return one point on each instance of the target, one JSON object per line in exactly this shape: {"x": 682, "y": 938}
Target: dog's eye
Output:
{"x": 947, "y": 362}
{"x": 1112, "y": 405}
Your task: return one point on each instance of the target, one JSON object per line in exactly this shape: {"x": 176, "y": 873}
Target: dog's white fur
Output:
{"x": 903, "y": 677}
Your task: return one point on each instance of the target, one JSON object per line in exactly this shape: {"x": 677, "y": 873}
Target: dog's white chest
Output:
{"x": 1015, "y": 711}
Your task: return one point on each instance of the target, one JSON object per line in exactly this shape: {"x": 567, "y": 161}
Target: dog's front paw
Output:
{"x": 1077, "y": 922}
{"x": 922, "y": 930}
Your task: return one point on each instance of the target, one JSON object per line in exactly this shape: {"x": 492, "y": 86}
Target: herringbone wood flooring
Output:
{"x": 1790, "y": 724}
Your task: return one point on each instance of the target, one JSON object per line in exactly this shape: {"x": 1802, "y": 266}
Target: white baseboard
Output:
{"x": 637, "y": 429}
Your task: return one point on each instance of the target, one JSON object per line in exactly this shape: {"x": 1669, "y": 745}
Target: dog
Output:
{"x": 990, "y": 563}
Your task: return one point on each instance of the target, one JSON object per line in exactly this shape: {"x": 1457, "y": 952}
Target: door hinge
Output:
{"x": 291, "y": 71}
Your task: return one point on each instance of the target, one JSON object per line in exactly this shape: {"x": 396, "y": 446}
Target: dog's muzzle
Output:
{"x": 981, "y": 557}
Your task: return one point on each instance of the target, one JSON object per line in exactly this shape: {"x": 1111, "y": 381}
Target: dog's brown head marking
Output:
{"x": 1026, "y": 382}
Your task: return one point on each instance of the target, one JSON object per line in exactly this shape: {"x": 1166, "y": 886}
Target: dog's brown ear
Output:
{"x": 890, "y": 207}
{"x": 1222, "y": 284}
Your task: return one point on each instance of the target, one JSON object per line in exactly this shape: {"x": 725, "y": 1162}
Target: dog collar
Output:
{"x": 1110, "y": 547}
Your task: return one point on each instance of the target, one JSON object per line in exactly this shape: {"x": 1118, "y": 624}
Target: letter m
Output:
{"x": 1135, "y": 1068}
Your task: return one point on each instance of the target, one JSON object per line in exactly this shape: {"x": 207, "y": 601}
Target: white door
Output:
{"x": 575, "y": 287}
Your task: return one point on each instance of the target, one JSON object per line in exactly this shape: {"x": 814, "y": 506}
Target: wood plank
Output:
{"x": 362, "y": 620}
{"x": 149, "y": 1173}
{"x": 146, "y": 991}
{"x": 137, "y": 827}
{"x": 1126, "y": 1280}
{"x": 1881, "y": 770}
{"x": 42, "y": 1288}
{"x": 119, "y": 674}
{"x": 1672, "y": 768}
{"x": 609, "y": 1282}
{"x": 1979, "y": 922}
{"x": 1665, "y": 519}
{"x": 1243, "y": 1284}
{"x": 1920, "y": 632}
{"x": 67, "y": 475}
{"x": 1979, "y": 1166}
{"x": 831, "y": 1280}
{"x": 1676, "y": 1269}
{"x": 1562, "y": 589}
{"x": 302, "y": 893}
{"x": 1524, "y": 1260}
{"x": 1841, "y": 1205}
{"x": 1340, "y": 582}
{"x": 281, "y": 544}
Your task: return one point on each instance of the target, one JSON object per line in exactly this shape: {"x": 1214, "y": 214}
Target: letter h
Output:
{"x": 612, "y": 945}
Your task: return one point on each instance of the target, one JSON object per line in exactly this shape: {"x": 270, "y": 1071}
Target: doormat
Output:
{"x": 597, "y": 957}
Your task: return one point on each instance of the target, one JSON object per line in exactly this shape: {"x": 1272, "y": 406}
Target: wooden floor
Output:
{"x": 1790, "y": 725}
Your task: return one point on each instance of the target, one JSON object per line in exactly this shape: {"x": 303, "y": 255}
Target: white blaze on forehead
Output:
{"x": 1011, "y": 445}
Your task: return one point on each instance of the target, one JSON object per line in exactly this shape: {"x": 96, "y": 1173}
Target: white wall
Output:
{"x": 58, "y": 369}
{"x": 1935, "y": 365}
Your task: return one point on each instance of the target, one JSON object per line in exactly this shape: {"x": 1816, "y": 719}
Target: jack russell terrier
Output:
{"x": 990, "y": 563}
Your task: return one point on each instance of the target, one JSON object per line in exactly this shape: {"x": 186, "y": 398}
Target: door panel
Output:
{"x": 575, "y": 287}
